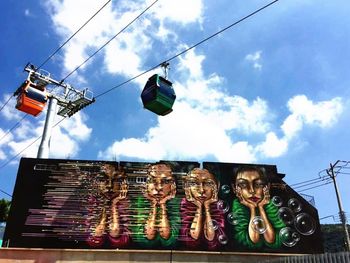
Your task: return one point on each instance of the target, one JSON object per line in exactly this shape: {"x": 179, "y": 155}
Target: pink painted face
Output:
{"x": 251, "y": 186}
{"x": 160, "y": 182}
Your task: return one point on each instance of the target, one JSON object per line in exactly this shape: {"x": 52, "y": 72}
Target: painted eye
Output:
{"x": 167, "y": 181}
{"x": 243, "y": 185}
{"x": 192, "y": 184}
{"x": 209, "y": 184}
{"x": 119, "y": 180}
{"x": 150, "y": 181}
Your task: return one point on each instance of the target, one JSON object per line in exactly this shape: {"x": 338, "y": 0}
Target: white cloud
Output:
{"x": 303, "y": 112}
{"x": 323, "y": 114}
{"x": 202, "y": 123}
{"x": 180, "y": 11}
{"x": 76, "y": 127}
{"x": 207, "y": 121}
{"x": 25, "y": 139}
{"x": 273, "y": 146}
{"x": 123, "y": 54}
{"x": 9, "y": 112}
{"x": 255, "y": 58}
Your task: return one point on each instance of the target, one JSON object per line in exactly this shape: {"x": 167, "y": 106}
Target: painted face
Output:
{"x": 110, "y": 181}
{"x": 251, "y": 186}
{"x": 202, "y": 184}
{"x": 160, "y": 182}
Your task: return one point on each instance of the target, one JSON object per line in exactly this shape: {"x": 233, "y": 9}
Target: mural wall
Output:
{"x": 163, "y": 205}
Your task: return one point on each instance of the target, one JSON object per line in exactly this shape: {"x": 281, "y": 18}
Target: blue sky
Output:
{"x": 271, "y": 90}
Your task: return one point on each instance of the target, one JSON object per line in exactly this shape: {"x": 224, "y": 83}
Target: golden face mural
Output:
{"x": 167, "y": 205}
{"x": 251, "y": 188}
{"x": 160, "y": 184}
{"x": 112, "y": 187}
{"x": 112, "y": 182}
{"x": 200, "y": 185}
{"x": 160, "y": 187}
{"x": 253, "y": 191}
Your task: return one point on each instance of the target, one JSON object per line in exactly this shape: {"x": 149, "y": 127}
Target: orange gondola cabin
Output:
{"x": 31, "y": 98}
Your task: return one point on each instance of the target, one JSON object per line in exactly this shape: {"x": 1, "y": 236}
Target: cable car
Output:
{"x": 31, "y": 98}
{"x": 158, "y": 95}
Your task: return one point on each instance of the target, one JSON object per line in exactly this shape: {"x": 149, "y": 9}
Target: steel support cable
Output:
{"x": 29, "y": 145}
{"x": 6, "y": 103}
{"x": 98, "y": 50}
{"x": 76, "y": 32}
{"x": 191, "y": 47}
{"x": 13, "y": 127}
{"x": 61, "y": 46}
{"x": 154, "y": 67}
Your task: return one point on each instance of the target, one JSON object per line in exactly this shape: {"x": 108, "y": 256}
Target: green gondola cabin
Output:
{"x": 158, "y": 95}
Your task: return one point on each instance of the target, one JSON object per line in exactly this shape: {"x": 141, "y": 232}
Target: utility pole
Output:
{"x": 342, "y": 215}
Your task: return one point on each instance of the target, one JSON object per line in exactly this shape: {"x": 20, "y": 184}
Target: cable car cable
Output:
{"x": 98, "y": 50}
{"x": 191, "y": 47}
{"x": 154, "y": 67}
{"x": 34, "y": 141}
{"x": 13, "y": 127}
{"x": 6, "y": 103}
{"x": 76, "y": 32}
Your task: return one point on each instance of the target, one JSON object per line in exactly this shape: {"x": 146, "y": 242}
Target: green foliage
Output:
{"x": 4, "y": 209}
{"x": 333, "y": 237}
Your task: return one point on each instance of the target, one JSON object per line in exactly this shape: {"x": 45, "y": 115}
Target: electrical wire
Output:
{"x": 13, "y": 127}
{"x": 312, "y": 183}
{"x": 317, "y": 186}
{"x": 98, "y": 50}
{"x": 307, "y": 181}
{"x": 76, "y": 32}
{"x": 189, "y": 48}
{"x": 2, "y": 191}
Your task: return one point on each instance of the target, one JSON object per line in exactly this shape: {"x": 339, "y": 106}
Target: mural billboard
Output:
{"x": 162, "y": 205}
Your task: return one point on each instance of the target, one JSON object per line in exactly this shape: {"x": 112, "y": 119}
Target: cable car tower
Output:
{"x": 33, "y": 95}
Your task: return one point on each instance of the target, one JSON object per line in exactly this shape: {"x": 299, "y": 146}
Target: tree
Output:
{"x": 4, "y": 209}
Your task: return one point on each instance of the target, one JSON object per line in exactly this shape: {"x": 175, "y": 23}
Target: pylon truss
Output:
{"x": 71, "y": 101}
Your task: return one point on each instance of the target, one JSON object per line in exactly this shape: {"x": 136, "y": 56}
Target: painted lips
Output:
{"x": 254, "y": 199}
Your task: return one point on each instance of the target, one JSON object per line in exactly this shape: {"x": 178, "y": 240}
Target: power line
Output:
{"x": 302, "y": 185}
{"x": 76, "y": 32}
{"x": 2, "y": 191}
{"x": 98, "y": 50}
{"x": 303, "y": 190}
{"x": 307, "y": 181}
{"x": 188, "y": 49}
